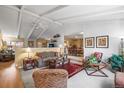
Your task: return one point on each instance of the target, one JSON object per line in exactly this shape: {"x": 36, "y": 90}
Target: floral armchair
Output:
{"x": 94, "y": 58}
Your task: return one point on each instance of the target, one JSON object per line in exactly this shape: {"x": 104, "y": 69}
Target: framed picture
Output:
{"x": 89, "y": 42}
{"x": 102, "y": 41}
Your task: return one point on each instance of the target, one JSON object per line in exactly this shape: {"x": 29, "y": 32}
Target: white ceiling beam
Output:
{"x": 20, "y": 20}
{"x": 71, "y": 17}
{"x": 50, "y": 11}
{"x": 41, "y": 17}
{"x": 12, "y": 7}
{"x": 30, "y": 13}
{"x": 31, "y": 31}
{"x": 41, "y": 33}
{"x": 36, "y": 15}
{"x": 59, "y": 7}
{"x": 110, "y": 12}
{"x": 107, "y": 13}
{"x": 33, "y": 14}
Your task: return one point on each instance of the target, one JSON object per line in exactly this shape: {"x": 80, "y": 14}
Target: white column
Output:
{"x": 60, "y": 41}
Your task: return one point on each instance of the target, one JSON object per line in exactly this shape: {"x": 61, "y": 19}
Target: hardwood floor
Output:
{"x": 9, "y": 76}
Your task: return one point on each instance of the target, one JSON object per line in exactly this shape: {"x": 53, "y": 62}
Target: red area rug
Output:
{"x": 72, "y": 68}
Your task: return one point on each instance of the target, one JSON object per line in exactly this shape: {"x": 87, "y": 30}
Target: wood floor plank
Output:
{"x": 10, "y": 76}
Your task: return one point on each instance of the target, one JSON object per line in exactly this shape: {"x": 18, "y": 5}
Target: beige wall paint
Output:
{"x": 11, "y": 38}
{"x": 41, "y": 43}
{"x": 77, "y": 42}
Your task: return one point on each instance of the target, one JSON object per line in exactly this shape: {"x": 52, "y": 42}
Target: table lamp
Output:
{"x": 28, "y": 50}
{"x": 60, "y": 46}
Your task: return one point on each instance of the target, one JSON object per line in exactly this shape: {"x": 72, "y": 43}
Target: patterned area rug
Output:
{"x": 72, "y": 68}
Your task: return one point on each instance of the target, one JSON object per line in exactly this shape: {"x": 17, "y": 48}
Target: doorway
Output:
{"x": 75, "y": 46}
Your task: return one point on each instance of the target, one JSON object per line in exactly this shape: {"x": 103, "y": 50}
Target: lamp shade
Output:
{"x": 60, "y": 46}
{"x": 28, "y": 49}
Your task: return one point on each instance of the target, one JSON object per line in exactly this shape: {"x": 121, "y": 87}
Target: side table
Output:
{"x": 52, "y": 64}
{"x": 29, "y": 63}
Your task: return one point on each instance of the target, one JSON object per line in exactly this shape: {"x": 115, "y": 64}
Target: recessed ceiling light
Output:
{"x": 81, "y": 32}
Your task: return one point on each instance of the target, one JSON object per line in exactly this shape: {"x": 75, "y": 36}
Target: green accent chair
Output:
{"x": 117, "y": 62}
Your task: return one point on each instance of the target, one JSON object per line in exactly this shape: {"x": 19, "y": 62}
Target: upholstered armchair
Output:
{"x": 119, "y": 79}
{"x": 117, "y": 62}
{"x": 50, "y": 78}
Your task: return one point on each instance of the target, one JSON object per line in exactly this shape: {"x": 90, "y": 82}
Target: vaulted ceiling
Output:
{"x": 37, "y": 21}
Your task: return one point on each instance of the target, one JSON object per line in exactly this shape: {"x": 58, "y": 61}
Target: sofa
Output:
{"x": 50, "y": 78}
{"x": 43, "y": 57}
{"x": 6, "y": 55}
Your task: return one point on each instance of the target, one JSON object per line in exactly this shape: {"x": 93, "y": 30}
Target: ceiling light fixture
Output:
{"x": 81, "y": 32}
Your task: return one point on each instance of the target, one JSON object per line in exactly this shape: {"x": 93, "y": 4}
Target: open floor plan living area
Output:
{"x": 61, "y": 46}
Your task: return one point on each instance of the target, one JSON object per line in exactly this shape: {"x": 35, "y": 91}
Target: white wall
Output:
{"x": 113, "y": 28}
